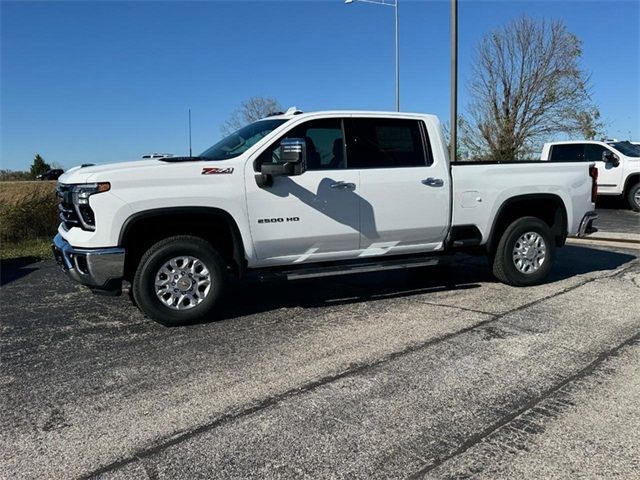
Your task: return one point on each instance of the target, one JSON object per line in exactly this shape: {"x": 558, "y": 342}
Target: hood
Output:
{"x": 151, "y": 172}
{"x": 96, "y": 173}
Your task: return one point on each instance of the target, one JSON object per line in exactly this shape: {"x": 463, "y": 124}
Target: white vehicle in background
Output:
{"x": 618, "y": 164}
{"x": 299, "y": 195}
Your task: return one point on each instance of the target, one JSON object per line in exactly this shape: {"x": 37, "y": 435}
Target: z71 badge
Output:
{"x": 216, "y": 170}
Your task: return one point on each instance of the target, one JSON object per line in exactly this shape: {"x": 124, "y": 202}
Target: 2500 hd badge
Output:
{"x": 278, "y": 220}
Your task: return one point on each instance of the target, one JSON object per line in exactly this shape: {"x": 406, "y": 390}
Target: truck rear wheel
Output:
{"x": 633, "y": 197}
{"x": 179, "y": 280}
{"x": 525, "y": 253}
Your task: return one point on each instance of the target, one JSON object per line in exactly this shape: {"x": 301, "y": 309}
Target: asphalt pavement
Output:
{"x": 431, "y": 373}
{"x": 615, "y": 217}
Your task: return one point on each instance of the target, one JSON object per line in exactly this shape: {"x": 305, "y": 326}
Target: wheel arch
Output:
{"x": 548, "y": 207}
{"x": 215, "y": 225}
{"x": 631, "y": 180}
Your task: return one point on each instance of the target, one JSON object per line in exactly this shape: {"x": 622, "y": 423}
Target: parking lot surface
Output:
{"x": 615, "y": 217}
{"x": 432, "y": 373}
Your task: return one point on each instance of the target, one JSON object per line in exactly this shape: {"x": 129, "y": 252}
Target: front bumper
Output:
{"x": 100, "y": 269}
{"x": 586, "y": 225}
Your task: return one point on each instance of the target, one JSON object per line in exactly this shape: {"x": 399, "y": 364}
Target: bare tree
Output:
{"x": 527, "y": 85}
{"x": 249, "y": 111}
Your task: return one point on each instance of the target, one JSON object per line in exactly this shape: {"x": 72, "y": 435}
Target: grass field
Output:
{"x": 39, "y": 248}
{"x": 28, "y": 218}
{"x": 14, "y": 192}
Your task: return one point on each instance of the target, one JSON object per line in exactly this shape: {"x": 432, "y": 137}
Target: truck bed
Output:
{"x": 480, "y": 189}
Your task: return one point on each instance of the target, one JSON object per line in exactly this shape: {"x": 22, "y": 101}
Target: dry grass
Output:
{"x": 28, "y": 216}
{"x": 13, "y": 192}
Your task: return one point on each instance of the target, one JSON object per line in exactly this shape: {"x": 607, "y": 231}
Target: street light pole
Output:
{"x": 454, "y": 66}
{"x": 395, "y": 6}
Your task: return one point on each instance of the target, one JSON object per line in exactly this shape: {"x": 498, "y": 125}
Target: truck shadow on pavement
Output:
{"x": 573, "y": 260}
{"x": 605, "y": 202}
{"x": 252, "y": 297}
{"x": 16, "y": 268}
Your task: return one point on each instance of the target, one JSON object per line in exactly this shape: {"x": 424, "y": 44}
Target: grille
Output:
{"x": 68, "y": 213}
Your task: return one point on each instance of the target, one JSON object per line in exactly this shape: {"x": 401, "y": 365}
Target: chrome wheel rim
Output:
{"x": 183, "y": 283}
{"x": 636, "y": 197}
{"x": 529, "y": 252}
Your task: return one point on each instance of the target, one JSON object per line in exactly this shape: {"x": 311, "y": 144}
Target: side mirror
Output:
{"x": 293, "y": 151}
{"x": 609, "y": 156}
{"x": 291, "y": 160}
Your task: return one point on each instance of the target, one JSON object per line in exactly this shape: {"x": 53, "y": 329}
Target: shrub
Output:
{"x": 8, "y": 175}
{"x": 28, "y": 210}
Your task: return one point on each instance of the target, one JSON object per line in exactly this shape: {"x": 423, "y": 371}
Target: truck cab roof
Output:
{"x": 293, "y": 112}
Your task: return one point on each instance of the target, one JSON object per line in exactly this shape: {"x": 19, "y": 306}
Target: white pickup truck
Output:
{"x": 298, "y": 195}
{"x": 618, "y": 164}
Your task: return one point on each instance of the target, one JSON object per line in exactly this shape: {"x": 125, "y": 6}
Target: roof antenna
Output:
{"x": 190, "y": 153}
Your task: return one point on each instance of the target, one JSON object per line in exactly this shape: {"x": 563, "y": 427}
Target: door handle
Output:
{"x": 344, "y": 185}
{"x": 433, "y": 182}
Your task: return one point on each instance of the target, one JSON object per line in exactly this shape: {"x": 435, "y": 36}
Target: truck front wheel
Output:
{"x": 525, "y": 253}
{"x": 179, "y": 280}
{"x": 633, "y": 197}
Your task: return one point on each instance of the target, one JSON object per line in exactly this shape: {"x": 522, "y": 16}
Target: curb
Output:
{"x": 612, "y": 239}
{"x": 615, "y": 237}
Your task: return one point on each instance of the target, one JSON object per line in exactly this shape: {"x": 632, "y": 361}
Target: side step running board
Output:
{"x": 352, "y": 268}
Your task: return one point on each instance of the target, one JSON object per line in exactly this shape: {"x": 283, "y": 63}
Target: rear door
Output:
{"x": 404, "y": 192}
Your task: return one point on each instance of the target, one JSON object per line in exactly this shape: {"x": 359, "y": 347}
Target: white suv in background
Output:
{"x": 618, "y": 164}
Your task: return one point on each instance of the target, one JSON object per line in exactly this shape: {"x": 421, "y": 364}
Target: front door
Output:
{"x": 609, "y": 176}
{"x": 308, "y": 217}
{"x": 404, "y": 192}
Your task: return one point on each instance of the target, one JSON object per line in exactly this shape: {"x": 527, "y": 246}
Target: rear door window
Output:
{"x": 385, "y": 143}
{"x": 569, "y": 152}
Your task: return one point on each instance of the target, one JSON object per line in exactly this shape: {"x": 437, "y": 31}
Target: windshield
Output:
{"x": 239, "y": 142}
{"x": 627, "y": 148}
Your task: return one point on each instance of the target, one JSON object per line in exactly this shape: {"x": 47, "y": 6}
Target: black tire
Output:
{"x": 504, "y": 266}
{"x": 144, "y": 280}
{"x": 633, "y": 197}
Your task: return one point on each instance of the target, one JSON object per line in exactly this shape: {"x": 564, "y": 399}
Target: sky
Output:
{"x": 105, "y": 81}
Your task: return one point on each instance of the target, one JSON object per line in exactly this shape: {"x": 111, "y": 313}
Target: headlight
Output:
{"x": 80, "y": 195}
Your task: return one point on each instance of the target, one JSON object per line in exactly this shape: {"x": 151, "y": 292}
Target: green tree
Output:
{"x": 527, "y": 87}
{"x": 39, "y": 166}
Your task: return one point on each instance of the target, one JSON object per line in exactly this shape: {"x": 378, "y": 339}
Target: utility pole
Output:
{"x": 454, "y": 81}
{"x": 397, "y": 60}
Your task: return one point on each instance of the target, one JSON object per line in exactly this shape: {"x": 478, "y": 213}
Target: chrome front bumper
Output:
{"x": 586, "y": 225}
{"x": 100, "y": 269}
